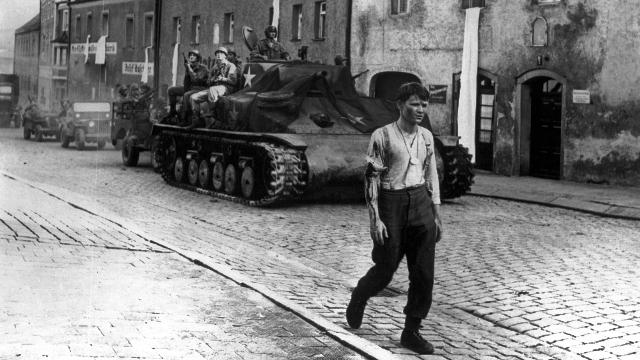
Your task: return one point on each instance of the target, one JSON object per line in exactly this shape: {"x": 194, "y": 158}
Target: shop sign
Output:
{"x": 438, "y": 94}
{"x": 78, "y": 48}
{"x": 135, "y": 68}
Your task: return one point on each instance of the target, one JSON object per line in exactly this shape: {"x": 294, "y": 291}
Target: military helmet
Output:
{"x": 269, "y": 29}
{"x": 196, "y": 53}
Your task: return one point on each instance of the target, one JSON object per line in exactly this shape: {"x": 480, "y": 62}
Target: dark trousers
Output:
{"x": 175, "y": 91}
{"x": 408, "y": 216}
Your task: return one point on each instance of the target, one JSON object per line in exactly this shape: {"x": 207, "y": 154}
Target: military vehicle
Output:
{"x": 86, "y": 122}
{"x": 37, "y": 123}
{"x": 295, "y": 128}
{"x": 9, "y": 94}
{"x": 298, "y": 127}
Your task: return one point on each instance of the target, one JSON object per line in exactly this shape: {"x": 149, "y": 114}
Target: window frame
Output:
{"x": 547, "y": 2}
{"x": 533, "y": 32}
{"x": 396, "y": 10}
{"x": 177, "y": 30}
{"x": 104, "y": 15}
{"x": 229, "y": 27}
{"x": 195, "y": 29}
{"x": 296, "y": 22}
{"x": 88, "y": 23}
{"x": 148, "y": 33}
{"x": 77, "y": 27}
{"x": 129, "y": 33}
{"x": 320, "y": 20}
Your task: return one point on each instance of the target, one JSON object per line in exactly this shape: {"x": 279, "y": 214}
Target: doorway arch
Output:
{"x": 541, "y": 98}
{"x": 385, "y": 84}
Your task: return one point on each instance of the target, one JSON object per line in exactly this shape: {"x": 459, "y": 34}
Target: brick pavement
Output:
{"x": 514, "y": 281}
{"x": 76, "y": 286}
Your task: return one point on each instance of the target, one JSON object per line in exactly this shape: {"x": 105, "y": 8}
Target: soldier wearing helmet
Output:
{"x": 269, "y": 48}
{"x": 195, "y": 79}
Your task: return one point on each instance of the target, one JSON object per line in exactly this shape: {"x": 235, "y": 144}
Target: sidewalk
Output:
{"x": 604, "y": 200}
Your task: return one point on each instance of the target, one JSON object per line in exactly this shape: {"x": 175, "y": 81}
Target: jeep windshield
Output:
{"x": 92, "y": 107}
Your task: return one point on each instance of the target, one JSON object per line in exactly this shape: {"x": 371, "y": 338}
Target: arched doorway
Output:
{"x": 385, "y": 85}
{"x": 542, "y": 107}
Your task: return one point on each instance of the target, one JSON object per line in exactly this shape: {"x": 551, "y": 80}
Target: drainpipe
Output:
{"x": 156, "y": 47}
{"x": 347, "y": 44}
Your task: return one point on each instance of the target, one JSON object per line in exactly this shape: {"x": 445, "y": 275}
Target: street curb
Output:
{"x": 610, "y": 211}
{"x": 356, "y": 343}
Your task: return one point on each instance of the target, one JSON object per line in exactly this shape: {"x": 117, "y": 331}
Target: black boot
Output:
{"x": 355, "y": 311}
{"x": 411, "y": 338}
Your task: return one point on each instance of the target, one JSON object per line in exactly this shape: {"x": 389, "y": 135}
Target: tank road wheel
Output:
{"x": 38, "y": 133}
{"x": 230, "y": 180}
{"x": 217, "y": 176}
{"x": 26, "y": 132}
{"x": 80, "y": 139}
{"x": 193, "y": 172}
{"x": 130, "y": 154}
{"x": 248, "y": 182}
{"x": 101, "y": 144}
{"x": 179, "y": 169}
{"x": 204, "y": 174}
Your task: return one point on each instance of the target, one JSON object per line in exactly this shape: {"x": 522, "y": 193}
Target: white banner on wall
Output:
{"x": 135, "y": 68}
{"x": 469, "y": 82}
{"x": 111, "y": 48}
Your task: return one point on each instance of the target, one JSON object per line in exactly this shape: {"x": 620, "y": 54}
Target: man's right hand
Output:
{"x": 378, "y": 232}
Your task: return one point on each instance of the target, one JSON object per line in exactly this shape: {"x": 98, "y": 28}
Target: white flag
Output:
{"x": 276, "y": 13}
{"x": 145, "y": 71}
{"x": 174, "y": 65}
{"x": 101, "y": 50}
{"x": 469, "y": 82}
{"x": 86, "y": 50}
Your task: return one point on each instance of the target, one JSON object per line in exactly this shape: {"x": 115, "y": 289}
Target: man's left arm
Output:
{"x": 432, "y": 177}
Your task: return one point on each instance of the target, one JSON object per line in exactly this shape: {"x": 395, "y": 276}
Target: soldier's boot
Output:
{"x": 196, "y": 122}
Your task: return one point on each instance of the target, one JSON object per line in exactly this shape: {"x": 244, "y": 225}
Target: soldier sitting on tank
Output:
{"x": 195, "y": 79}
{"x": 269, "y": 48}
{"x": 222, "y": 81}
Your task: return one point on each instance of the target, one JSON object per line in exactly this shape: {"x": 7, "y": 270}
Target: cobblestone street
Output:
{"x": 513, "y": 280}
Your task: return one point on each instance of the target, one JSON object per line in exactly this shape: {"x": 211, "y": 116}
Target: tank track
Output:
{"x": 286, "y": 169}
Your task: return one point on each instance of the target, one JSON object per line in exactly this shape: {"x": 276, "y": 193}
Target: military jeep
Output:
{"x": 86, "y": 122}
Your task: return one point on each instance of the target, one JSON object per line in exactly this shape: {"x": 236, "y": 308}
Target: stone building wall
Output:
{"x": 592, "y": 45}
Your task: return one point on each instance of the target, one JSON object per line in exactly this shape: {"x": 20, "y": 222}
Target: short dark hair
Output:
{"x": 412, "y": 88}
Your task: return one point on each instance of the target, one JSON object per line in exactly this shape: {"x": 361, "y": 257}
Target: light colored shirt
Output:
{"x": 393, "y": 150}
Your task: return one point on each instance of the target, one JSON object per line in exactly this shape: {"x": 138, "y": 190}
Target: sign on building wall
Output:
{"x": 78, "y": 48}
{"x": 438, "y": 94}
{"x": 581, "y": 97}
{"x": 135, "y": 68}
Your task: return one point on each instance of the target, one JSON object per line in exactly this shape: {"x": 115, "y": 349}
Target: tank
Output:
{"x": 295, "y": 129}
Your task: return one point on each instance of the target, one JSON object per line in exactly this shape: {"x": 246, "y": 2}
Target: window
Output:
{"x": 177, "y": 29}
{"x": 129, "y": 35}
{"x": 65, "y": 20}
{"x": 547, "y": 2}
{"x": 399, "y": 7}
{"x": 105, "y": 23}
{"x": 216, "y": 34}
{"x": 270, "y": 16}
{"x": 195, "y": 29}
{"x": 296, "y": 22}
{"x": 539, "y": 32}
{"x": 320, "y": 19}
{"x": 466, "y": 4}
{"x": 148, "y": 29}
{"x": 89, "y": 24}
{"x": 228, "y": 27}
{"x": 76, "y": 28}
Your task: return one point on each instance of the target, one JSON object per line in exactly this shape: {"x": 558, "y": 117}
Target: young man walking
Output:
{"x": 403, "y": 197}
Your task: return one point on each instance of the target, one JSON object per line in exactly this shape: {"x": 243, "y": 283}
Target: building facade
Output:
{"x": 206, "y": 25}
{"x": 124, "y": 31}
{"x": 555, "y": 82}
{"x": 25, "y": 60}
